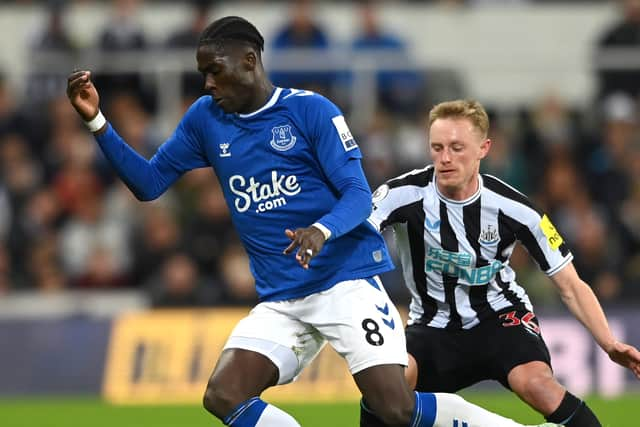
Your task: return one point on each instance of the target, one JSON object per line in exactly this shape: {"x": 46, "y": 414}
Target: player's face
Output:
{"x": 456, "y": 148}
{"x": 228, "y": 77}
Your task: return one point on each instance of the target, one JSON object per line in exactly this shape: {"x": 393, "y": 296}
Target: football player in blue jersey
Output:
{"x": 291, "y": 176}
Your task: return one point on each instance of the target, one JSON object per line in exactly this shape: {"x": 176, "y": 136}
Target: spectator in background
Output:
{"x": 585, "y": 226}
{"x": 159, "y": 236}
{"x": 302, "y": 31}
{"x": 506, "y": 161}
{"x": 124, "y": 34}
{"x": 5, "y": 213}
{"x": 95, "y": 251}
{"x": 236, "y": 277}
{"x": 625, "y": 33}
{"x": 553, "y": 126}
{"x": 51, "y": 47}
{"x": 40, "y": 216}
{"x": 398, "y": 90}
{"x": 54, "y": 37}
{"x": 608, "y": 160}
{"x": 60, "y": 135}
{"x": 209, "y": 230}
{"x": 547, "y": 130}
{"x": 44, "y": 270}
{"x": 11, "y": 119}
{"x": 187, "y": 39}
{"x": 377, "y": 146}
{"x": 630, "y": 218}
{"x": 6, "y": 279}
{"x": 19, "y": 170}
{"x": 135, "y": 123}
{"x": 180, "y": 284}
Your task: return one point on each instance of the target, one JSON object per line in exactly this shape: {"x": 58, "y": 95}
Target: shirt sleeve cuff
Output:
{"x": 325, "y": 230}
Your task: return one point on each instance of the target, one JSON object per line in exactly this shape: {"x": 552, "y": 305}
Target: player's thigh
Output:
{"x": 515, "y": 340}
{"x": 360, "y": 322}
{"x": 273, "y": 330}
{"x": 445, "y": 361}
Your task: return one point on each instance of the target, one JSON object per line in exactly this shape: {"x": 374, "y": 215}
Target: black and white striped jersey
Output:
{"x": 455, "y": 254}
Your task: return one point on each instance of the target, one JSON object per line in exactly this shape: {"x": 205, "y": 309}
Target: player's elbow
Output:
{"x": 365, "y": 204}
{"x": 144, "y": 196}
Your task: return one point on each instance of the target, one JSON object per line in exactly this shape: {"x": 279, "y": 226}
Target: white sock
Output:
{"x": 453, "y": 410}
{"x": 274, "y": 417}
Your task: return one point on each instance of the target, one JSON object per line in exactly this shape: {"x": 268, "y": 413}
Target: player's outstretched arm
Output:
{"x": 147, "y": 179}
{"x": 584, "y": 305}
{"x": 83, "y": 96}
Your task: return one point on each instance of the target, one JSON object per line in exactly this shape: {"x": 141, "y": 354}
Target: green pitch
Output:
{"x": 61, "y": 412}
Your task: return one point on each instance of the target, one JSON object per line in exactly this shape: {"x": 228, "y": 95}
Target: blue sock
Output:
{"x": 424, "y": 413}
{"x": 246, "y": 414}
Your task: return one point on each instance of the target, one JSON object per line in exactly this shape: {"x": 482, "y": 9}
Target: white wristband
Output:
{"x": 95, "y": 124}
{"x": 325, "y": 230}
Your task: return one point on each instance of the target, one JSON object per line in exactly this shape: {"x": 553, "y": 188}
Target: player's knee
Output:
{"x": 220, "y": 400}
{"x": 542, "y": 392}
{"x": 535, "y": 385}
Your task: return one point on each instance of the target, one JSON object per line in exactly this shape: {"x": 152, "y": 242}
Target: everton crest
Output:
{"x": 282, "y": 139}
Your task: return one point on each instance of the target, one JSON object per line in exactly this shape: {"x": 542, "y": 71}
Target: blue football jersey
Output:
{"x": 274, "y": 166}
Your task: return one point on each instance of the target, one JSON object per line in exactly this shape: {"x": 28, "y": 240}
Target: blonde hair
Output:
{"x": 462, "y": 109}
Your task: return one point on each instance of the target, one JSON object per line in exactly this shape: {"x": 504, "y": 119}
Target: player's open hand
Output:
{"x": 627, "y": 356}
{"x": 83, "y": 94}
{"x": 309, "y": 242}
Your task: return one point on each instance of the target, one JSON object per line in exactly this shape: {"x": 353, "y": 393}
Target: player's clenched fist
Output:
{"x": 83, "y": 94}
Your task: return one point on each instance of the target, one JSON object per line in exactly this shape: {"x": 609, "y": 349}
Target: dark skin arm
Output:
{"x": 305, "y": 239}
{"x": 83, "y": 96}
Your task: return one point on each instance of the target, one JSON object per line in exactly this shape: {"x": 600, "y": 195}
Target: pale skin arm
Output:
{"x": 583, "y": 304}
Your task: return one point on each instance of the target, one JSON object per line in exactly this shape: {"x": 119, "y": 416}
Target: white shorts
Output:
{"x": 356, "y": 317}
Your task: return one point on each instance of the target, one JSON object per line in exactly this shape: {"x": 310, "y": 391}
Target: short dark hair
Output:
{"x": 231, "y": 28}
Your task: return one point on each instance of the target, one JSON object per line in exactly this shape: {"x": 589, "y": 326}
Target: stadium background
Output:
{"x": 110, "y": 307}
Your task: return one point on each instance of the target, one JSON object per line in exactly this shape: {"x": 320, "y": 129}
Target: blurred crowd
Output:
{"x": 67, "y": 222}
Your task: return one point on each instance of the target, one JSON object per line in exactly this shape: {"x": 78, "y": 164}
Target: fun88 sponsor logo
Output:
{"x": 264, "y": 196}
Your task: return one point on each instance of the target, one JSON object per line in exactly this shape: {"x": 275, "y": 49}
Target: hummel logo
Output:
{"x": 433, "y": 226}
{"x": 224, "y": 149}
{"x": 389, "y": 323}
{"x": 385, "y": 310}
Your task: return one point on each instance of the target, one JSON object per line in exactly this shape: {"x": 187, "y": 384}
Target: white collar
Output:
{"x": 269, "y": 104}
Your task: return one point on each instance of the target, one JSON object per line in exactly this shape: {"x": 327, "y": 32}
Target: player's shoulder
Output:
{"x": 201, "y": 107}
{"x": 505, "y": 190}
{"x": 306, "y": 100}
{"x": 415, "y": 177}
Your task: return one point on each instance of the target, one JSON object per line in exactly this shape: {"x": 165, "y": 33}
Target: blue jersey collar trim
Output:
{"x": 269, "y": 104}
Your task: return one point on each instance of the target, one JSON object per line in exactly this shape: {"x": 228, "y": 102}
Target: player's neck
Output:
{"x": 462, "y": 192}
{"x": 263, "y": 92}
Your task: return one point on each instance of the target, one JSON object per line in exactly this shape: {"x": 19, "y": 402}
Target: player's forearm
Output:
{"x": 351, "y": 210}
{"x": 354, "y": 205}
{"x": 583, "y": 304}
{"x": 136, "y": 172}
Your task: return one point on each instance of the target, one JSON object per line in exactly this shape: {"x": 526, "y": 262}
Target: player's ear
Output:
{"x": 484, "y": 148}
{"x": 250, "y": 60}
